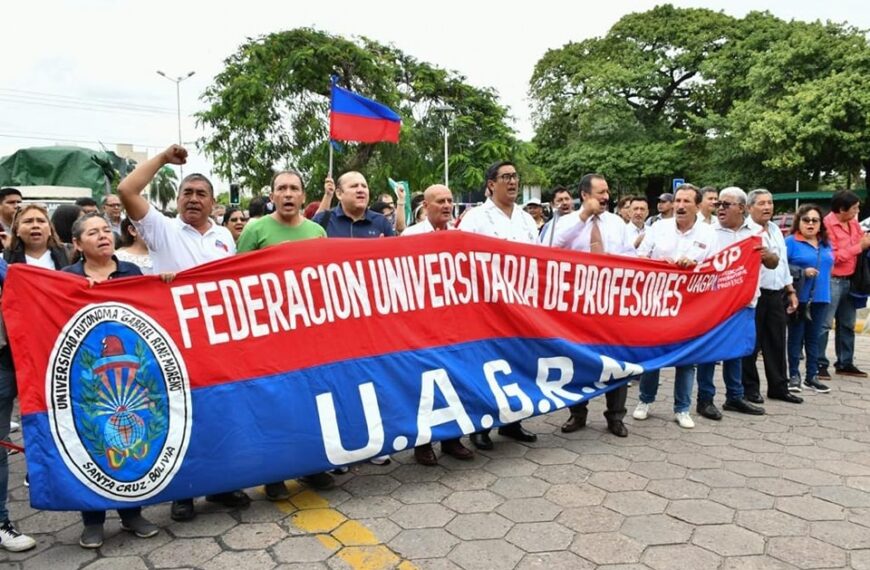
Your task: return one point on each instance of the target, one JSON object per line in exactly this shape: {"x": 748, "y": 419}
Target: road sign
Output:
{"x": 677, "y": 182}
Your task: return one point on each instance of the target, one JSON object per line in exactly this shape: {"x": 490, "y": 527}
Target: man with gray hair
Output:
{"x": 733, "y": 226}
{"x": 778, "y": 299}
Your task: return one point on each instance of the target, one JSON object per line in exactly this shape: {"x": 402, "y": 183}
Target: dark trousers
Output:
{"x": 615, "y": 405}
{"x": 770, "y": 325}
{"x": 99, "y": 517}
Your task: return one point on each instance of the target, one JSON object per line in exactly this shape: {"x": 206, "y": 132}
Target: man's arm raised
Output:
{"x": 130, "y": 188}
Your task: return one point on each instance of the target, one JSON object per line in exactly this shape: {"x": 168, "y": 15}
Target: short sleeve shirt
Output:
{"x": 664, "y": 241}
{"x": 341, "y": 225}
{"x": 176, "y": 246}
{"x": 268, "y": 231}
{"x": 488, "y": 219}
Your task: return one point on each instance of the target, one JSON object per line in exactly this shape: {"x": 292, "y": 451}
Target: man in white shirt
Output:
{"x": 563, "y": 205}
{"x": 595, "y": 230}
{"x": 438, "y": 205}
{"x": 683, "y": 241}
{"x": 707, "y": 209}
{"x": 778, "y": 299}
{"x": 177, "y": 244}
{"x": 500, "y": 217}
{"x": 732, "y": 226}
{"x": 635, "y": 228}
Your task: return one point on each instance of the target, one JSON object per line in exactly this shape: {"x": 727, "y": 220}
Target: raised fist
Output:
{"x": 175, "y": 154}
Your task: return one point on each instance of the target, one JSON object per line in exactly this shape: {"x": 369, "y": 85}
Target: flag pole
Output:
{"x": 330, "y": 158}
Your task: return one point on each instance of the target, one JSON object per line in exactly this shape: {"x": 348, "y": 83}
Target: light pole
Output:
{"x": 446, "y": 112}
{"x": 177, "y": 81}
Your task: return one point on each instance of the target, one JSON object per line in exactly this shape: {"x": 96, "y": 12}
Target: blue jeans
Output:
{"x": 843, "y": 310}
{"x": 803, "y": 333}
{"x": 685, "y": 379}
{"x": 8, "y": 391}
{"x": 732, "y": 373}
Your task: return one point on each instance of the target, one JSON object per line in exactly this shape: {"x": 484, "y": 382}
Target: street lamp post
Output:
{"x": 177, "y": 81}
{"x": 446, "y": 111}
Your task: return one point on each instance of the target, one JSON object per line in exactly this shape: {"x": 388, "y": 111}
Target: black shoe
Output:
{"x": 518, "y": 432}
{"x": 319, "y": 481}
{"x": 182, "y": 510}
{"x": 786, "y": 397}
{"x": 277, "y": 491}
{"x": 743, "y": 407}
{"x": 816, "y": 385}
{"x": 574, "y": 423}
{"x": 617, "y": 428}
{"x": 850, "y": 370}
{"x": 823, "y": 373}
{"x": 232, "y": 499}
{"x": 481, "y": 440}
{"x": 754, "y": 398}
{"x": 709, "y": 410}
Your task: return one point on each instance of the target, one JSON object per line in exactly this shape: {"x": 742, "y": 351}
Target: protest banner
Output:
{"x": 301, "y": 357}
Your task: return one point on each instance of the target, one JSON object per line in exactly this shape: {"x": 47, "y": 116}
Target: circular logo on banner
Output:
{"x": 118, "y": 402}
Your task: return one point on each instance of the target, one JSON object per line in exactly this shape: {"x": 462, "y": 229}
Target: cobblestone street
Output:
{"x": 784, "y": 490}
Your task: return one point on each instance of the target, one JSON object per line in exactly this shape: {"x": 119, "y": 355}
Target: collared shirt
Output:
{"x": 488, "y": 219}
{"x": 574, "y": 233}
{"x": 425, "y": 227}
{"x": 773, "y": 279}
{"x": 632, "y": 232}
{"x": 122, "y": 269}
{"x": 701, "y": 218}
{"x": 846, "y": 244}
{"x": 176, "y": 246}
{"x": 340, "y": 225}
{"x": 664, "y": 241}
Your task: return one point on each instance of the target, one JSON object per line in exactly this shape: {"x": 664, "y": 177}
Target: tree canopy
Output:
{"x": 268, "y": 109}
{"x": 697, "y": 94}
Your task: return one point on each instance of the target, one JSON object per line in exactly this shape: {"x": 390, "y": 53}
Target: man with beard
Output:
{"x": 176, "y": 244}
{"x": 438, "y": 205}
{"x": 285, "y": 224}
{"x": 733, "y": 226}
{"x": 563, "y": 205}
{"x": 684, "y": 242}
{"x": 499, "y": 217}
{"x": 596, "y": 230}
{"x": 778, "y": 299}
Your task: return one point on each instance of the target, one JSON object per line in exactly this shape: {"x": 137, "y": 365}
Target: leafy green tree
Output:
{"x": 164, "y": 186}
{"x": 268, "y": 109}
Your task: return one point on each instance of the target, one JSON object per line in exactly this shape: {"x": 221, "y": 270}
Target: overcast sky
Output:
{"x": 85, "y": 71}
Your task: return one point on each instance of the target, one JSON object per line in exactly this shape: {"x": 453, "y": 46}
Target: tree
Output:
{"x": 163, "y": 186}
{"x": 268, "y": 108}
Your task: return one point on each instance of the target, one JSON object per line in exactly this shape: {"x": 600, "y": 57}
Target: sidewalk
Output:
{"x": 785, "y": 490}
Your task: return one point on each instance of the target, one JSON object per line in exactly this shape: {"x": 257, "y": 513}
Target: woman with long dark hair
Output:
{"x": 234, "y": 220}
{"x": 133, "y": 248}
{"x": 810, "y": 259}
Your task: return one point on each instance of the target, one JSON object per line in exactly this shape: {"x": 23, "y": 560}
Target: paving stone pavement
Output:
{"x": 790, "y": 489}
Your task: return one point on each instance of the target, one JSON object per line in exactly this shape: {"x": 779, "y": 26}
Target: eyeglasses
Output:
{"x": 811, "y": 220}
{"x": 508, "y": 176}
{"x": 725, "y": 205}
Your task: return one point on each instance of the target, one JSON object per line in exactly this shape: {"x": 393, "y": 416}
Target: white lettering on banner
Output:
{"x": 428, "y": 417}
{"x": 552, "y": 391}
{"x": 251, "y": 306}
{"x": 335, "y": 450}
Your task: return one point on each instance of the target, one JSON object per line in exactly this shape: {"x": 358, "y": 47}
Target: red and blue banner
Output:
{"x": 302, "y": 357}
{"x": 352, "y": 117}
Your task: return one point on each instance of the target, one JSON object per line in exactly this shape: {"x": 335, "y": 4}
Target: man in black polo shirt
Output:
{"x": 352, "y": 217}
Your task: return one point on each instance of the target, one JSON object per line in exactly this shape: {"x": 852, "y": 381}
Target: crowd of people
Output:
{"x": 803, "y": 290}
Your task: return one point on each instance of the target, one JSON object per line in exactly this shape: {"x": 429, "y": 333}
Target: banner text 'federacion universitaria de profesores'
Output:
{"x": 301, "y": 357}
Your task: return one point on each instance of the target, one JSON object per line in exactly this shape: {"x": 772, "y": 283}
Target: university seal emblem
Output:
{"x": 119, "y": 402}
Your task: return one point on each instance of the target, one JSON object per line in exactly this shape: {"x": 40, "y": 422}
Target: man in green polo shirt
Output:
{"x": 284, "y": 224}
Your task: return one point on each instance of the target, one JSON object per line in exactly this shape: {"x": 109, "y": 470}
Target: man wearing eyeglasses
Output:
{"x": 595, "y": 230}
{"x": 112, "y": 212}
{"x": 733, "y": 226}
{"x": 500, "y": 217}
{"x": 778, "y": 299}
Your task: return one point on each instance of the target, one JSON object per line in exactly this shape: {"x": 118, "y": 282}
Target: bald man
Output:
{"x": 438, "y": 205}
{"x": 352, "y": 218}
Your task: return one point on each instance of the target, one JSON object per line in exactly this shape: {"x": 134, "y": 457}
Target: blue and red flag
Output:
{"x": 352, "y": 117}
{"x": 305, "y": 356}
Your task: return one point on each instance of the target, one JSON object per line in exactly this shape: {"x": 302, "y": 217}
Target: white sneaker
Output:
{"x": 14, "y": 541}
{"x": 684, "y": 419}
{"x": 14, "y": 426}
{"x": 641, "y": 412}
